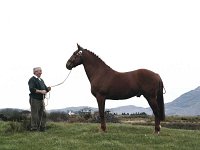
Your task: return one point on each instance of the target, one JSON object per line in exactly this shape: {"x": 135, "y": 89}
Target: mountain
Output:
{"x": 74, "y": 109}
{"x": 188, "y": 104}
{"x": 131, "y": 109}
{"x": 119, "y": 110}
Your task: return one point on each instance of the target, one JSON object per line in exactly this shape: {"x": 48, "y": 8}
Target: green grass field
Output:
{"x": 87, "y": 136}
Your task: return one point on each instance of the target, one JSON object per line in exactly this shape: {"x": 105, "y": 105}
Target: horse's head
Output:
{"x": 75, "y": 59}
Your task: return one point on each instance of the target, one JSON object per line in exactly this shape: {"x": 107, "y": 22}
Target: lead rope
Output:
{"x": 63, "y": 81}
{"x": 48, "y": 97}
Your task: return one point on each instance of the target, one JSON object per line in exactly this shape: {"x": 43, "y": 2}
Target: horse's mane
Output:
{"x": 97, "y": 57}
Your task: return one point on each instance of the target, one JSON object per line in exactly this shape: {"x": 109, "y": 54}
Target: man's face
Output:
{"x": 38, "y": 72}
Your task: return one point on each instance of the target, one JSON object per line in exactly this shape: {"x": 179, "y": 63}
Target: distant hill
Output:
{"x": 73, "y": 109}
{"x": 119, "y": 110}
{"x": 188, "y": 104}
{"x": 131, "y": 109}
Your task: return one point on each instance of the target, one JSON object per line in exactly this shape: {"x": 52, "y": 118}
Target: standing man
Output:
{"x": 38, "y": 89}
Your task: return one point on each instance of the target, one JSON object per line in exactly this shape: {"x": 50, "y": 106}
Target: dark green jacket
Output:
{"x": 34, "y": 83}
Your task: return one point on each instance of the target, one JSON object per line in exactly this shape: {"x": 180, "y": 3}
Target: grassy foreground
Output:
{"x": 86, "y": 136}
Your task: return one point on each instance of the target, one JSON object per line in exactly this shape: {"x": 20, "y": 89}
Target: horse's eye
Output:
{"x": 79, "y": 53}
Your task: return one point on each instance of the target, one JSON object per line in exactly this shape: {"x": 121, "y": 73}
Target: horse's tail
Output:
{"x": 160, "y": 100}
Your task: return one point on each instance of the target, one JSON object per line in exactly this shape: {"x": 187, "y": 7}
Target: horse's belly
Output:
{"x": 118, "y": 96}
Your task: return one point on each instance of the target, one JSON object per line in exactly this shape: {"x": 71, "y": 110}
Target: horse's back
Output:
{"x": 148, "y": 81}
{"x": 146, "y": 74}
{"x": 135, "y": 79}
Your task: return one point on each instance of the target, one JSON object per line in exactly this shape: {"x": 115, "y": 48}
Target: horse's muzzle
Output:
{"x": 69, "y": 66}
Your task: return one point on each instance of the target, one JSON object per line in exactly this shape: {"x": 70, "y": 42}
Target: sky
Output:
{"x": 162, "y": 36}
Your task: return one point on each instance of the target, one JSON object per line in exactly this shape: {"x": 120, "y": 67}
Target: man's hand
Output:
{"x": 49, "y": 88}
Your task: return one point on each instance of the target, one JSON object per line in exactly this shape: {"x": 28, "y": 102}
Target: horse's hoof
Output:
{"x": 104, "y": 130}
{"x": 101, "y": 130}
{"x": 156, "y": 132}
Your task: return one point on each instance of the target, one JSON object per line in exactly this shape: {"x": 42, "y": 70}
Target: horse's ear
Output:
{"x": 79, "y": 47}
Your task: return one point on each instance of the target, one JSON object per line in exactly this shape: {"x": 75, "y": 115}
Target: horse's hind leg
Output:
{"x": 154, "y": 106}
{"x": 101, "y": 104}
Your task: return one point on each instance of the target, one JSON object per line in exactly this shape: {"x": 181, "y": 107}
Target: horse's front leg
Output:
{"x": 101, "y": 105}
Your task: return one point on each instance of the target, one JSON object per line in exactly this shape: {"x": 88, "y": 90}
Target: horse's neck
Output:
{"x": 94, "y": 66}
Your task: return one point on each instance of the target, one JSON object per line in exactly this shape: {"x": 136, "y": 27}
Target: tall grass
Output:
{"x": 87, "y": 136}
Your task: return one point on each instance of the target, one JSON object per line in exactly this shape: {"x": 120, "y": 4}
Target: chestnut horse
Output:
{"x": 107, "y": 83}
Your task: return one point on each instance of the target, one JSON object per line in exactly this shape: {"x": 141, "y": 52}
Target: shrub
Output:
{"x": 58, "y": 116}
{"x": 15, "y": 126}
{"x": 108, "y": 116}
